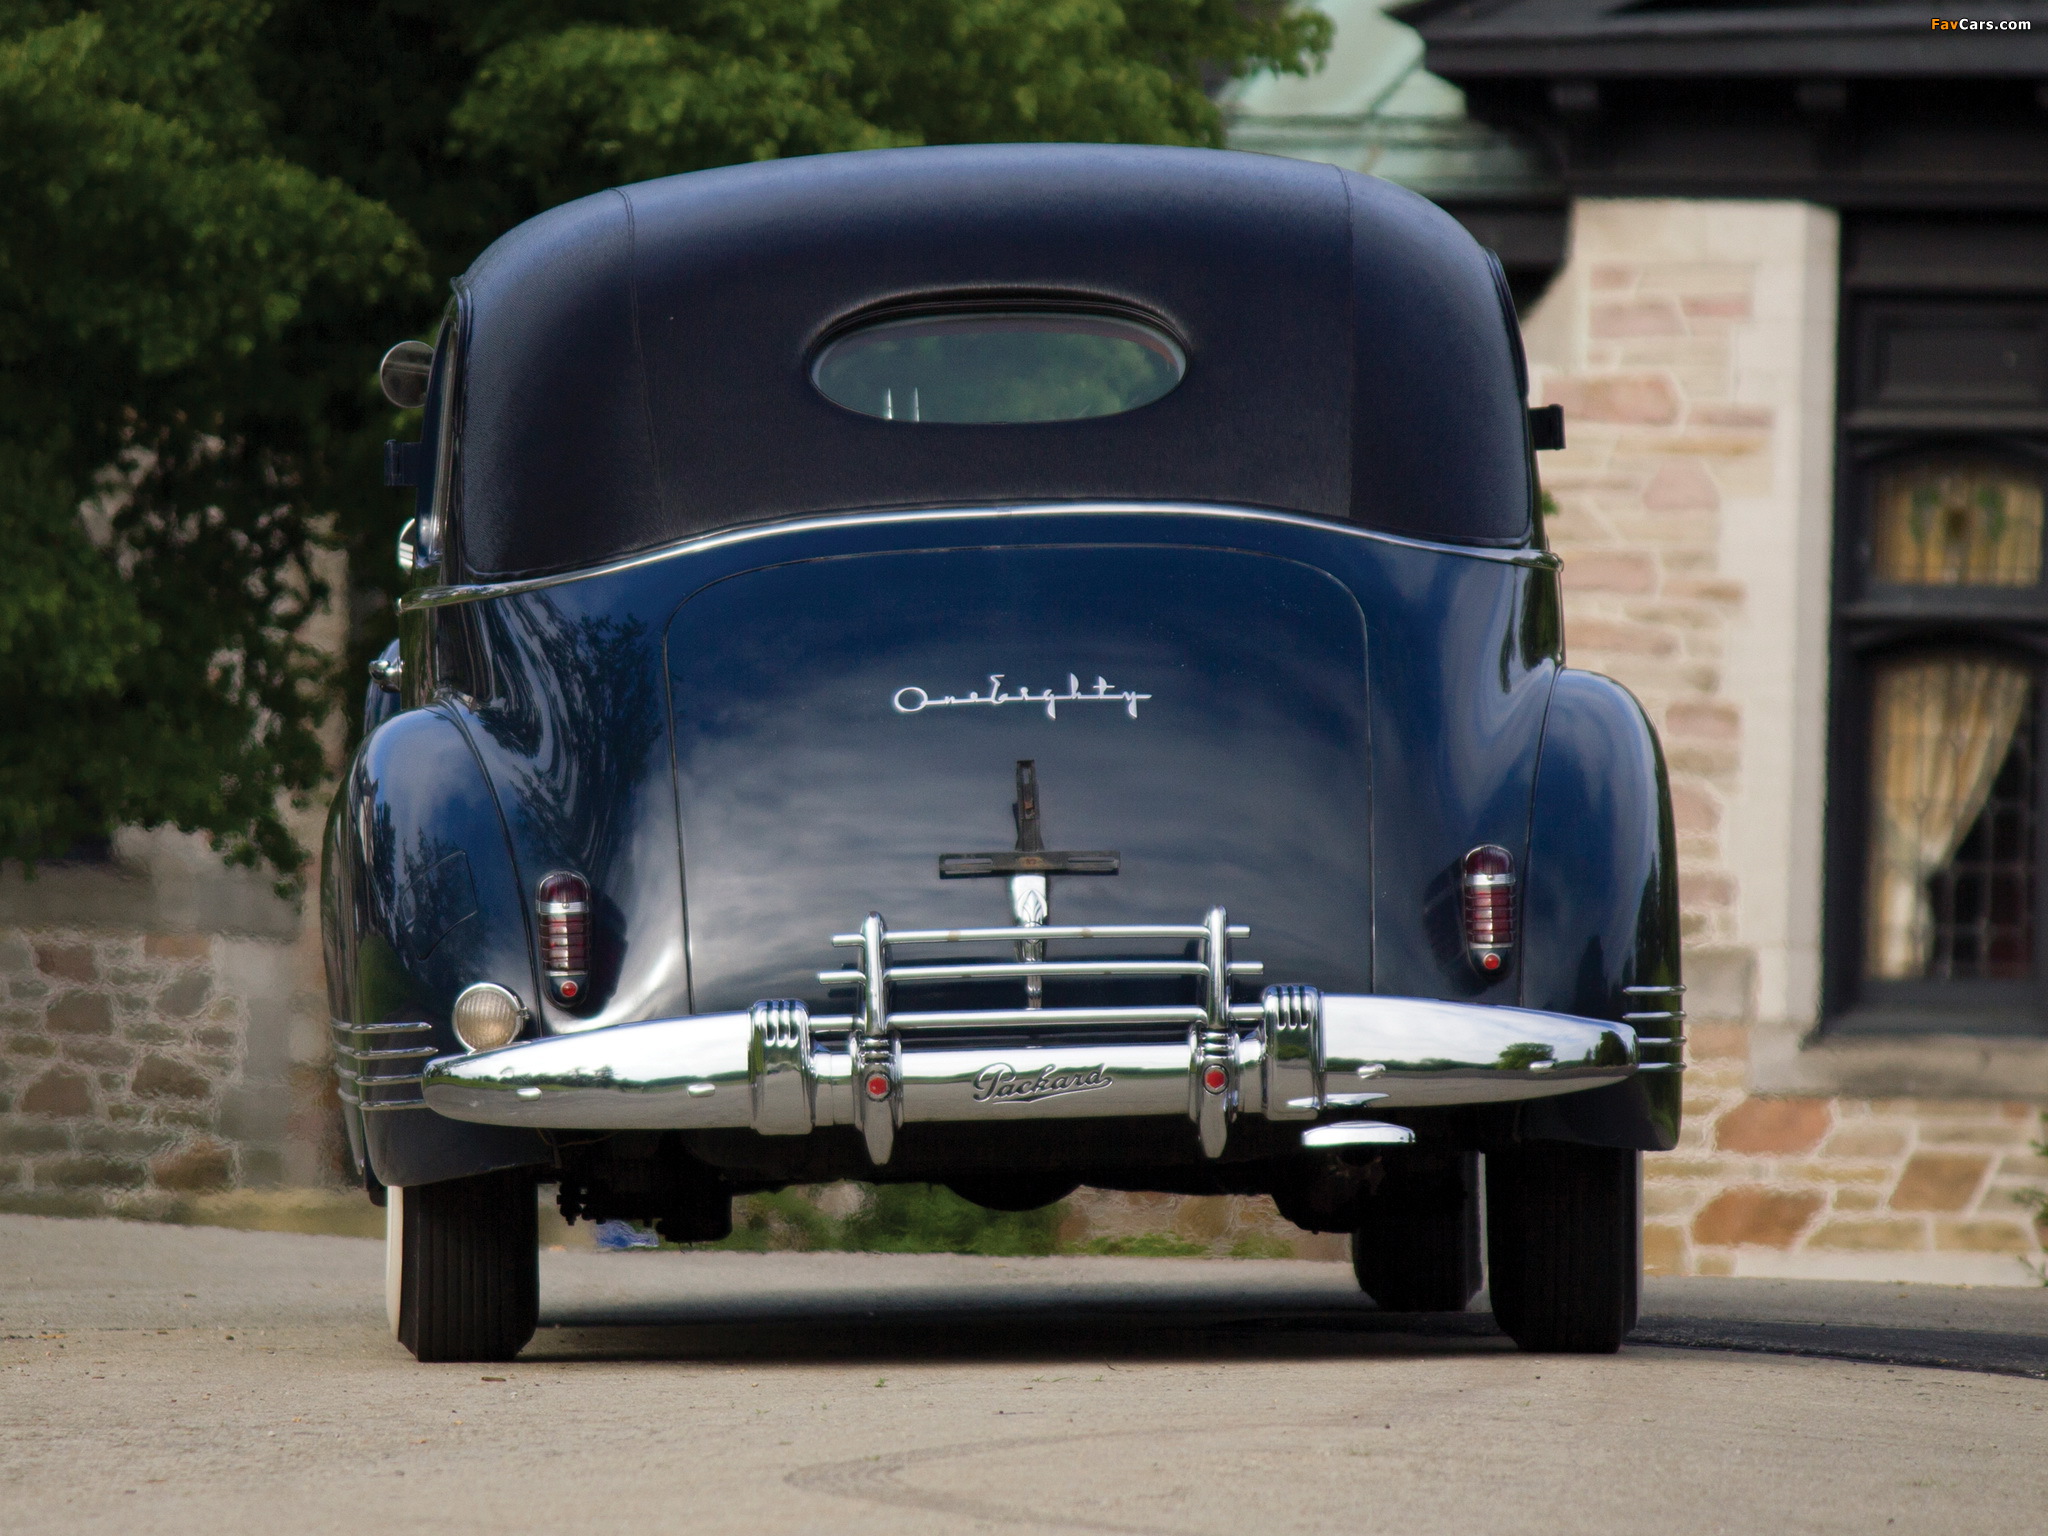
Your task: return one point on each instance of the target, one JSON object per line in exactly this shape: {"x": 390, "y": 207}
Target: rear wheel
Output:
{"x": 1416, "y": 1247}
{"x": 462, "y": 1266}
{"x": 1564, "y": 1245}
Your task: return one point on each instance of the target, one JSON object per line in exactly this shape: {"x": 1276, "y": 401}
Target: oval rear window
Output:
{"x": 990, "y": 367}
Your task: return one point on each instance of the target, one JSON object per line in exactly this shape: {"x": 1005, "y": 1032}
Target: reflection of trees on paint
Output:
{"x": 578, "y": 708}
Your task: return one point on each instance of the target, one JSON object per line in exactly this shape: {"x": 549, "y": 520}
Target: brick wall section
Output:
{"x": 1853, "y": 1188}
{"x": 117, "y": 1056}
{"x": 1658, "y": 435}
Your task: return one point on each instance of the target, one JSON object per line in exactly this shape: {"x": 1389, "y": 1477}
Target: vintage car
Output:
{"x": 1016, "y": 668}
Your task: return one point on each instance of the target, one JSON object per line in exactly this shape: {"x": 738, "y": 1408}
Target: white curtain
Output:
{"x": 1941, "y": 729}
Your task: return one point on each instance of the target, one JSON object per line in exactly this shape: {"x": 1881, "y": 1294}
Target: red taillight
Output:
{"x": 563, "y": 906}
{"x": 1489, "y": 892}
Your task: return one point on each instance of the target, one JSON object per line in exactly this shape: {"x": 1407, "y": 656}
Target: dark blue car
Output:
{"x": 1010, "y": 667}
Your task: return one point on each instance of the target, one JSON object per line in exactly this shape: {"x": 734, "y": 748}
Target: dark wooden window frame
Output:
{"x": 1871, "y": 621}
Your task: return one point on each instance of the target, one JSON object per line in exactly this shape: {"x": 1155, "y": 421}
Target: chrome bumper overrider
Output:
{"x": 1292, "y": 1055}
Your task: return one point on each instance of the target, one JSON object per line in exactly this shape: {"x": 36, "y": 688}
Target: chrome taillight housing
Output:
{"x": 563, "y": 906}
{"x": 1488, "y": 889}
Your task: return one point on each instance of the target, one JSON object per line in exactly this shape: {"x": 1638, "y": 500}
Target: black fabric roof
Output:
{"x": 637, "y": 361}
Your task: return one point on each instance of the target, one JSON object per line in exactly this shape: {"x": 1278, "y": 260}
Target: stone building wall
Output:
{"x": 161, "y": 1036}
{"x": 1692, "y": 346}
{"x": 1841, "y": 1188}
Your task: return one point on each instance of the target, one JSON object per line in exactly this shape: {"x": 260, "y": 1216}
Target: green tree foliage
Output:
{"x": 893, "y": 1218}
{"x": 214, "y": 214}
{"x": 162, "y": 275}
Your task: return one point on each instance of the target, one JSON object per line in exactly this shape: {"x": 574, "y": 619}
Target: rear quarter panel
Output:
{"x": 1600, "y": 899}
{"x": 432, "y": 906}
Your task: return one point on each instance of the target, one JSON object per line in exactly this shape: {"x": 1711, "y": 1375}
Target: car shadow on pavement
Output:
{"x": 907, "y": 1327}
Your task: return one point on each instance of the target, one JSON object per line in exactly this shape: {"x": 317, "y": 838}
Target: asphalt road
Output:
{"x": 216, "y": 1382}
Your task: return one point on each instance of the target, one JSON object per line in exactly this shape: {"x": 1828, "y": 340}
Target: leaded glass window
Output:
{"x": 1945, "y": 625}
{"x": 1937, "y": 898}
{"x": 1957, "y": 523}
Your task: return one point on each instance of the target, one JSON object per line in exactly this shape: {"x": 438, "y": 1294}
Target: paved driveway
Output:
{"x": 215, "y": 1382}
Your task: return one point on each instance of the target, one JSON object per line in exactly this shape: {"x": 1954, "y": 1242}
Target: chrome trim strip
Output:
{"x": 976, "y": 935}
{"x": 438, "y": 597}
{"x": 1645, "y": 991}
{"x": 361, "y": 1063}
{"x": 1042, "y": 1018}
{"x": 1011, "y": 970}
{"x": 339, "y": 1028}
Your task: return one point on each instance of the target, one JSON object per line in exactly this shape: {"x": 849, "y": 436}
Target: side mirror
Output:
{"x": 404, "y": 373}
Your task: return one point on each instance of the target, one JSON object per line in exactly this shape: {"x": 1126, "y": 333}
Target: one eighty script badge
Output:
{"x": 999, "y": 1083}
{"x": 915, "y": 701}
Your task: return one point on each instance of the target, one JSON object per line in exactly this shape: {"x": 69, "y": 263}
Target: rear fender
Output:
{"x": 436, "y": 907}
{"x": 1600, "y": 904}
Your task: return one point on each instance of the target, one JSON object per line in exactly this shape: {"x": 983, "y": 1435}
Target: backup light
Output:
{"x": 1489, "y": 900}
{"x": 487, "y": 1016}
{"x": 563, "y": 907}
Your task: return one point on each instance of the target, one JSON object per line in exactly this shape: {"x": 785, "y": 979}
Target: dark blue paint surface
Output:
{"x": 809, "y": 798}
{"x": 1334, "y": 719}
{"x": 1601, "y": 898}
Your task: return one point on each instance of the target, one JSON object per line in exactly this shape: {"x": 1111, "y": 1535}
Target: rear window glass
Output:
{"x": 989, "y": 368}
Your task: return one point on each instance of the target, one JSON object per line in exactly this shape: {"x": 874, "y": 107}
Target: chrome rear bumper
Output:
{"x": 1291, "y": 1056}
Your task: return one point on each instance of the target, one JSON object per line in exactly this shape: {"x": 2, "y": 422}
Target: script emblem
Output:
{"x": 1000, "y": 1083}
{"x": 915, "y": 701}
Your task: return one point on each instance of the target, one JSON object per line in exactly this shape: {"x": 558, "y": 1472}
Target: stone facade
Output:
{"x": 1692, "y": 345}
{"x": 1841, "y": 1188}
{"x": 145, "y": 1060}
